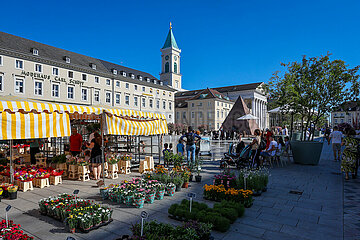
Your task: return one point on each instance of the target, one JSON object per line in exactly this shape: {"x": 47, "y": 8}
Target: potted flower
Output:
{"x": 128, "y": 197}
{"x": 72, "y": 222}
{"x": 170, "y": 189}
{"x": 13, "y": 192}
{"x": 1, "y": 192}
{"x": 178, "y": 181}
{"x": 160, "y": 191}
{"x": 149, "y": 195}
{"x": 85, "y": 222}
{"x": 139, "y": 199}
{"x": 186, "y": 177}
{"x": 112, "y": 163}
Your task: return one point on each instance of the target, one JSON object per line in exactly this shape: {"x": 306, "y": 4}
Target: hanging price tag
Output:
{"x": 144, "y": 215}
{"x": 6, "y": 215}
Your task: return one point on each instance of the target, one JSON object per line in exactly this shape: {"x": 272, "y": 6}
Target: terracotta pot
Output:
{"x": 185, "y": 185}
{"x": 72, "y": 230}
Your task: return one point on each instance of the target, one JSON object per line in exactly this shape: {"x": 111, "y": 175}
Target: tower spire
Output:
{"x": 170, "y": 25}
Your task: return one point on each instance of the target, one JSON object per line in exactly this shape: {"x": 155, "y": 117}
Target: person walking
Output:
{"x": 336, "y": 137}
{"x": 190, "y": 144}
{"x": 76, "y": 141}
{"x": 255, "y": 144}
{"x": 96, "y": 153}
{"x": 349, "y": 156}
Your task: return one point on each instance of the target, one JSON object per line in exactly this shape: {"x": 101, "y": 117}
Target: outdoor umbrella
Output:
{"x": 247, "y": 117}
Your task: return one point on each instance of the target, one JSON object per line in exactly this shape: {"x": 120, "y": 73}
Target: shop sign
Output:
{"x": 49, "y": 77}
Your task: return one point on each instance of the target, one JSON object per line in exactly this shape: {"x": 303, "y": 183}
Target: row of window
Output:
{"x": 209, "y": 104}
{"x": 19, "y": 64}
{"x": 200, "y": 115}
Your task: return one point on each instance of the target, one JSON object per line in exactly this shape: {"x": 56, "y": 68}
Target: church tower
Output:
{"x": 170, "y": 62}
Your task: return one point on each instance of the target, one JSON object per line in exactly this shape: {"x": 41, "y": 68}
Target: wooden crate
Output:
{"x": 55, "y": 180}
{"x": 42, "y": 182}
{"x": 150, "y": 163}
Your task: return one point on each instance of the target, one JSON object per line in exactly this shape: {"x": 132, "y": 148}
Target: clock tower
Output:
{"x": 170, "y": 62}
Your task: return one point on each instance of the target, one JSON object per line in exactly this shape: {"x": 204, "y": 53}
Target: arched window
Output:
{"x": 167, "y": 67}
{"x": 175, "y": 67}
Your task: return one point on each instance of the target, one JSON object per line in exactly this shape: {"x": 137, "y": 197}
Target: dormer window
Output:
{"x": 154, "y": 81}
{"x": 148, "y": 79}
{"x": 132, "y": 76}
{"x": 161, "y": 83}
{"x": 140, "y": 77}
{"x": 93, "y": 66}
{"x": 67, "y": 59}
{"x": 35, "y": 51}
{"x": 123, "y": 73}
{"x": 114, "y": 71}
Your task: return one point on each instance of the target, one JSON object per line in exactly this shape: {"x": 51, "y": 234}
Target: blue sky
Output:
{"x": 223, "y": 42}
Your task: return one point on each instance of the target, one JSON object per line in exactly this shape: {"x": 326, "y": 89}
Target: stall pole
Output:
{"x": 102, "y": 119}
{"x": 159, "y": 146}
{"x": 151, "y": 142}
{"x": 11, "y": 163}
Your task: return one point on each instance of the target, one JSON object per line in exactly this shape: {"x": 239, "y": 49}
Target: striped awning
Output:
{"x": 33, "y": 125}
{"x": 134, "y": 114}
{"x": 125, "y": 125}
{"x": 29, "y": 106}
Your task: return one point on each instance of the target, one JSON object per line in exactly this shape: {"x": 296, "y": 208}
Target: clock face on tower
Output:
{"x": 175, "y": 58}
{"x": 167, "y": 57}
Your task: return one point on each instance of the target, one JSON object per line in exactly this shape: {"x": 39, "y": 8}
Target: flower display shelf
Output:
{"x": 25, "y": 186}
{"x": 143, "y": 166}
{"x": 72, "y": 174}
{"x": 76, "y": 213}
{"x": 113, "y": 171}
{"x": 55, "y": 180}
{"x": 125, "y": 167}
{"x": 106, "y": 174}
{"x": 41, "y": 161}
{"x": 83, "y": 173}
{"x": 150, "y": 163}
{"x": 42, "y": 182}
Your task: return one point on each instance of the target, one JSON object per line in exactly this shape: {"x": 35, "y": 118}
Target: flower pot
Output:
{"x": 198, "y": 178}
{"x": 160, "y": 194}
{"x": 104, "y": 193}
{"x": 185, "y": 185}
{"x": 170, "y": 191}
{"x": 306, "y": 152}
{"x": 72, "y": 230}
{"x": 139, "y": 202}
{"x": 178, "y": 188}
{"x": 5, "y": 194}
{"x": 128, "y": 200}
{"x": 150, "y": 198}
{"x": 13, "y": 195}
{"x": 191, "y": 178}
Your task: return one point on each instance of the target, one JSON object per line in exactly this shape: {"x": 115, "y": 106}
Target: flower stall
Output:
{"x": 77, "y": 213}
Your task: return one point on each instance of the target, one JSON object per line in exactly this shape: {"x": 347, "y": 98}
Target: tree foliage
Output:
{"x": 312, "y": 87}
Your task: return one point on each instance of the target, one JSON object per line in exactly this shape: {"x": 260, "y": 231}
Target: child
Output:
{"x": 170, "y": 147}
{"x": 87, "y": 154}
{"x": 180, "y": 148}
{"x": 166, "y": 149}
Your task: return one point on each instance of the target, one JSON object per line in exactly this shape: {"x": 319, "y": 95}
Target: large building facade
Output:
{"x": 348, "y": 112}
{"x": 208, "y": 108}
{"x": 252, "y": 94}
{"x": 35, "y": 71}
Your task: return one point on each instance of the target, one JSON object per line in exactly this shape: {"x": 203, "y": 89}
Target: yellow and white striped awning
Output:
{"x": 29, "y": 106}
{"x": 134, "y": 113}
{"x": 33, "y": 125}
{"x": 152, "y": 124}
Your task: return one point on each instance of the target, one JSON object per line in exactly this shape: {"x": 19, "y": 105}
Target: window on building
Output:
{"x": 35, "y": 52}
{"x": 200, "y": 115}
{"x": 335, "y": 115}
{"x": 84, "y": 77}
{"x": 19, "y": 85}
{"x": 124, "y": 74}
{"x": 192, "y": 104}
{"x": 222, "y": 114}
{"x": 117, "y": 98}
{"x": 167, "y": 66}
{"x": 38, "y": 89}
{"x": 127, "y": 85}
{"x": 192, "y": 114}
{"x": 135, "y": 101}
{"x": 117, "y": 83}
{"x": 55, "y": 90}
{"x": 218, "y": 125}
{"x": 84, "y": 94}
{"x": 170, "y": 116}
{"x": 67, "y": 60}
{"x": 341, "y": 120}
{"x": 335, "y": 120}
{"x": 200, "y": 104}
{"x": 19, "y": 64}
{"x": 108, "y": 97}
{"x": 218, "y": 113}
{"x": 150, "y": 103}
{"x": 184, "y": 115}
{"x": 143, "y": 89}
{"x": 143, "y": 102}
{"x": 97, "y": 96}
{"x": 127, "y": 100}
{"x": 164, "y": 104}
{"x": 175, "y": 67}
{"x": 157, "y": 103}
{"x": 135, "y": 87}
{"x": 55, "y": 71}
{"x": 170, "y": 105}
{"x": 176, "y": 83}
{"x": 1, "y": 82}
{"x": 132, "y": 76}
{"x": 151, "y": 90}
{"x": 70, "y": 92}
{"x": 177, "y": 115}
{"x": 96, "y": 80}
{"x": 218, "y": 103}
{"x": 38, "y": 68}
{"x": 108, "y": 82}
{"x": 209, "y": 104}
{"x": 209, "y": 115}
{"x": 1, "y": 60}
{"x": 71, "y": 74}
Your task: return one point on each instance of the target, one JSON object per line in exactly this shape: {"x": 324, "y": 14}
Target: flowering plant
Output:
{"x": 126, "y": 157}
{"x": 219, "y": 192}
{"x": 12, "y": 231}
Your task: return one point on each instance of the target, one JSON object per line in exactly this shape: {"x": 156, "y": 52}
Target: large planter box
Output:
{"x": 306, "y": 152}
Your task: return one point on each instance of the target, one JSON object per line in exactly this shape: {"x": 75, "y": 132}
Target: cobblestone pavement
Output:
{"x": 352, "y": 209}
{"x": 277, "y": 214}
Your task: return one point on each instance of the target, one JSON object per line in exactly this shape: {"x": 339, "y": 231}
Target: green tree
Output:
{"x": 312, "y": 87}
